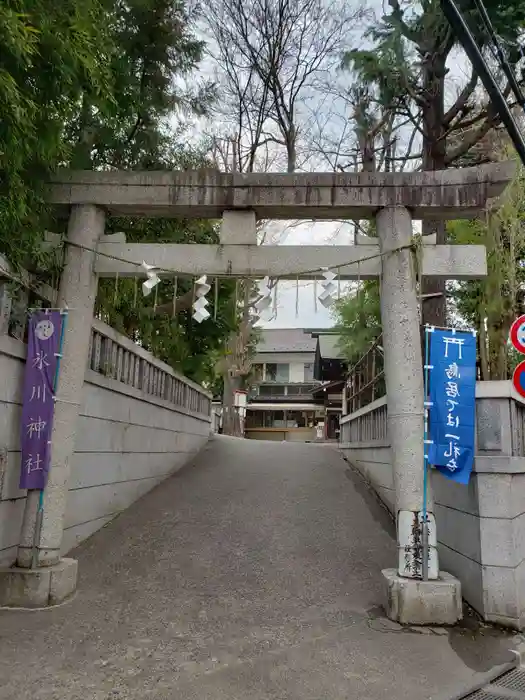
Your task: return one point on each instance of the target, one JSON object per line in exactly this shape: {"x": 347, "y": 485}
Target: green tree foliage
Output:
{"x": 158, "y": 51}
{"x": 406, "y": 68}
{"x": 91, "y": 84}
{"x": 491, "y": 304}
{"x": 358, "y": 319}
{"x": 488, "y": 305}
{"x": 49, "y": 51}
{"x": 187, "y": 346}
{"x": 104, "y": 84}
{"x": 155, "y": 52}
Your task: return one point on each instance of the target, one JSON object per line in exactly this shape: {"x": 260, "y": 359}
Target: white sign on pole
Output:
{"x": 240, "y": 399}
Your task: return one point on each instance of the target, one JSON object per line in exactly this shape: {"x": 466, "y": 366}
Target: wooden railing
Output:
{"x": 366, "y": 379}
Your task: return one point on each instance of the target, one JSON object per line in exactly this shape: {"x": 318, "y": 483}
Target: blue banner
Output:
{"x": 452, "y": 397}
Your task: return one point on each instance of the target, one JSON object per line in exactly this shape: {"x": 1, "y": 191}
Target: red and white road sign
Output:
{"x": 517, "y": 334}
{"x": 518, "y": 379}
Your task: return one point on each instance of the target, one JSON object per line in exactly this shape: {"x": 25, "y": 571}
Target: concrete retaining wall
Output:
{"x": 481, "y": 527}
{"x": 129, "y": 438}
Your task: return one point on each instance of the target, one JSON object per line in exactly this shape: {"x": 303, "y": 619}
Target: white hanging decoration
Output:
{"x": 153, "y": 278}
{"x": 329, "y": 288}
{"x": 264, "y": 302}
{"x": 202, "y": 288}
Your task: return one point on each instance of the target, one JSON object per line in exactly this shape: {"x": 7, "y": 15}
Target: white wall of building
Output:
{"x": 295, "y": 361}
{"x": 296, "y": 372}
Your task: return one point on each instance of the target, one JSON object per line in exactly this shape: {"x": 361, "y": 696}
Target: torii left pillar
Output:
{"x": 54, "y": 578}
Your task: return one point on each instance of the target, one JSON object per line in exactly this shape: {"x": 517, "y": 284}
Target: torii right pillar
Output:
{"x": 409, "y": 599}
{"x": 449, "y": 194}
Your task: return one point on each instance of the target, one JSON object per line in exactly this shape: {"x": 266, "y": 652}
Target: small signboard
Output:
{"x": 240, "y": 398}
{"x": 518, "y": 379}
{"x": 517, "y": 334}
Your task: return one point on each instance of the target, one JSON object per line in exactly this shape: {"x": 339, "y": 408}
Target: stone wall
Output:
{"x": 139, "y": 422}
{"x": 481, "y": 527}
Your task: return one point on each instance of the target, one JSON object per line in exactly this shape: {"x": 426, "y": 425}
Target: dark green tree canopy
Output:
{"x": 50, "y": 50}
{"x": 102, "y": 84}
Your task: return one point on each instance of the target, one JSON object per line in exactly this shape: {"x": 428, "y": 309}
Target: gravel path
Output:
{"x": 253, "y": 574}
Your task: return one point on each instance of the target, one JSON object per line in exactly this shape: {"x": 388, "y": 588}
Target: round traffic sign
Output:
{"x": 517, "y": 334}
{"x": 518, "y": 379}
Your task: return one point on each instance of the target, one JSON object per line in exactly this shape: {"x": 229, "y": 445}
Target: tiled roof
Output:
{"x": 285, "y": 340}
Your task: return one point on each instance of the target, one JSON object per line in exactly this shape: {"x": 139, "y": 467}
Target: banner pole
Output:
{"x": 40, "y": 512}
{"x": 424, "y": 524}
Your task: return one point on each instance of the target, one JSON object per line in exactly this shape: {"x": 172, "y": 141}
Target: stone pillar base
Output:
{"x": 414, "y": 602}
{"x": 38, "y": 588}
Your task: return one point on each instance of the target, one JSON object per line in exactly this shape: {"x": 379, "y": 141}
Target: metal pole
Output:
{"x": 424, "y": 537}
{"x": 516, "y": 89}
{"x": 424, "y": 518}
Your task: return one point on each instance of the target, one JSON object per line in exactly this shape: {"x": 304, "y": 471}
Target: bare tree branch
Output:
{"x": 283, "y": 46}
{"x": 182, "y": 303}
{"x": 462, "y": 100}
{"x": 473, "y": 136}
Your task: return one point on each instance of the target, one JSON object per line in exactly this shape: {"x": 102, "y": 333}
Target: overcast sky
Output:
{"x": 298, "y": 308}
{"x": 310, "y": 314}
{"x": 306, "y": 313}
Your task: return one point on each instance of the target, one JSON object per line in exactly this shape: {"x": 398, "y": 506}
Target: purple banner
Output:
{"x": 38, "y": 404}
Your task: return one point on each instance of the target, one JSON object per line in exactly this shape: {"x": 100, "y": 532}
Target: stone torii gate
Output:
{"x": 392, "y": 199}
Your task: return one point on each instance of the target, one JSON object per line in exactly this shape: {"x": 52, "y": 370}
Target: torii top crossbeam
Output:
{"x": 240, "y": 199}
{"x": 448, "y": 194}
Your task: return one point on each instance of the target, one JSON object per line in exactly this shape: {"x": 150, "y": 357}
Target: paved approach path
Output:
{"x": 253, "y": 574}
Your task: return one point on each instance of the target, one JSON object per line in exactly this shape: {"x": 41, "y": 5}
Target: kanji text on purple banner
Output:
{"x": 38, "y": 398}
